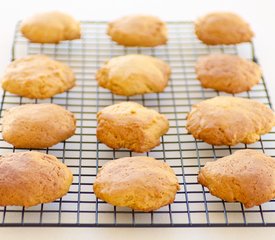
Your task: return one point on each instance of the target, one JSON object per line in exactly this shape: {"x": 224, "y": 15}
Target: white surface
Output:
{"x": 136, "y": 234}
{"x": 259, "y": 13}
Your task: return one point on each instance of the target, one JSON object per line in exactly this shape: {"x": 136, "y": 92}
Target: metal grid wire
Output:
{"x": 194, "y": 205}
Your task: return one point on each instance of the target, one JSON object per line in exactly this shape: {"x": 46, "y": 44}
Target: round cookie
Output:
{"x": 130, "y": 125}
{"x": 140, "y": 183}
{"x": 229, "y": 120}
{"x": 247, "y": 176}
{"x": 134, "y": 74}
{"x": 37, "y": 76}
{"x": 228, "y": 73}
{"x": 222, "y": 28}
{"x": 50, "y": 27}
{"x": 31, "y": 178}
{"x": 37, "y": 125}
{"x": 138, "y": 30}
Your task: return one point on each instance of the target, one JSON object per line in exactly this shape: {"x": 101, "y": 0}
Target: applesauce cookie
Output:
{"x": 140, "y": 183}
{"x": 31, "y": 178}
{"x": 228, "y": 73}
{"x": 222, "y": 28}
{"x": 138, "y": 30}
{"x": 229, "y": 120}
{"x": 247, "y": 176}
{"x": 37, "y": 76}
{"x": 134, "y": 74}
{"x": 50, "y": 27}
{"x": 37, "y": 125}
{"x": 130, "y": 125}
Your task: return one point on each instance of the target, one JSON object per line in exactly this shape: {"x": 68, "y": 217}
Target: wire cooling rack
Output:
{"x": 194, "y": 205}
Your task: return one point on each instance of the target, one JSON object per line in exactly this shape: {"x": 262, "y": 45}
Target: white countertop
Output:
{"x": 260, "y": 14}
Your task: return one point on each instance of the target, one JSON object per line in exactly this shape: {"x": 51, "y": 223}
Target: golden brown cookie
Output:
{"x": 50, "y": 27}
{"x": 134, "y": 74}
{"x": 130, "y": 125}
{"x": 37, "y": 76}
{"x": 228, "y": 73}
{"x": 31, "y": 178}
{"x": 37, "y": 125}
{"x": 140, "y": 183}
{"x": 223, "y": 28}
{"x": 138, "y": 30}
{"x": 229, "y": 120}
{"x": 247, "y": 176}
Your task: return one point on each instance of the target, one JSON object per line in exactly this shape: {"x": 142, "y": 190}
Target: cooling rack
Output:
{"x": 194, "y": 206}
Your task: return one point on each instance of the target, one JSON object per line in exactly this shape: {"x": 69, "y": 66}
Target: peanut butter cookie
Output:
{"x": 134, "y": 74}
{"x": 31, "y": 178}
{"x": 138, "y": 30}
{"x": 130, "y": 125}
{"x": 37, "y": 76}
{"x": 247, "y": 176}
{"x": 37, "y": 125}
{"x": 229, "y": 120}
{"x": 50, "y": 27}
{"x": 140, "y": 183}
{"x": 228, "y": 73}
{"x": 222, "y": 28}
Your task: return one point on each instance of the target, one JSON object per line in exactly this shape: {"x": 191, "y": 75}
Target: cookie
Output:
{"x": 228, "y": 73}
{"x": 37, "y": 125}
{"x": 223, "y": 28}
{"x": 138, "y": 30}
{"x": 229, "y": 120}
{"x": 50, "y": 27}
{"x": 31, "y": 178}
{"x": 37, "y": 76}
{"x": 140, "y": 183}
{"x": 134, "y": 74}
{"x": 130, "y": 125}
{"x": 247, "y": 176}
